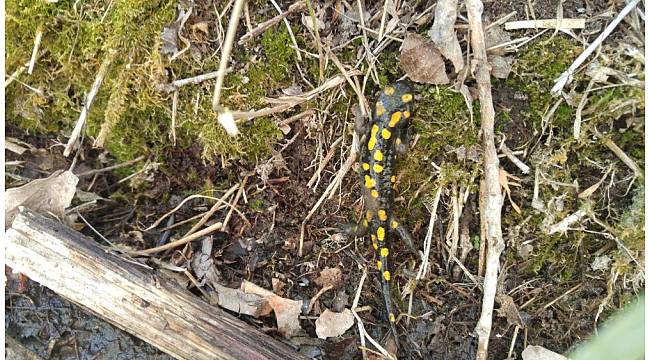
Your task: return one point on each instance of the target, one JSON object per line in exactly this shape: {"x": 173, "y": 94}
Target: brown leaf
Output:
{"x": 421, "y": 61}
{"x": 500, "y": 66}
{"x": 443, "y": 35}
{"x": 52, "y": 194}
{"x": 329, "y": 277}
{"x": 287, "y": 314}
{"x": 333, "y": 324}
{"x": 509, "y": 310}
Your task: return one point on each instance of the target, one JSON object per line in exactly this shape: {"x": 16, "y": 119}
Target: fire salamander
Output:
{"x": 382, "y": 141}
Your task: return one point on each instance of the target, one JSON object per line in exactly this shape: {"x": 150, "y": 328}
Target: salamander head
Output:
{"x": 397, "y": 97}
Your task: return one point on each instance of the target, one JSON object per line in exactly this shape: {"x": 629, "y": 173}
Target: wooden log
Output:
{"x": 132, "y": 297}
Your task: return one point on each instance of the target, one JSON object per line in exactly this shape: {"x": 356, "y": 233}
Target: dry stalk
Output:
{"x": 262, "y": 27}
{"x": 291, "y": 35}
{"x": 619, "y": 153}
{"x": 90, "y": 97}
{"x": 546, "y": 24}
{"x": 214, "y": 209}
{"x": 210, "y": 229}
{"x": 284, "y": 103}
{"x": 491, "y": 209}
{"x": 362, "y": 330}
{"x": 113, "y": 167}
{"x": 225, "y": 52}
{"x": 567, "y": 75}
{"x": 37, "y": 43}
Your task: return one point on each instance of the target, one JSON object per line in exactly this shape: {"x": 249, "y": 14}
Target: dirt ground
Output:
{"x": 551, "y": 293}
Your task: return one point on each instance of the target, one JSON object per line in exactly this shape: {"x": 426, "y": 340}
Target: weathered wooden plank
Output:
{"x": 130, "y": 296}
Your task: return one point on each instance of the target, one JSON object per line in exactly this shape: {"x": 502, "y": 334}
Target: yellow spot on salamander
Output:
{"x": 407, "y": 114}
{"x": 378, "y": 264}
{"x": 380, "y": 233}
{"x": 365, "y": 166}
{"x": 387, "y": 275}
{"x": 369, "y": 182}
{"x": 365, "y": 223}
{"x": 407, "y": 98}
{"x": 395, "y": 118}
{"x": 393, "y": 179}
{"x": 389, "y": 90}
{"x": 377, "y": 168}
{"x": 374, "y": 130}
{"x": 394, "y": 224}
{"x": 378, "y": 156}
{"x": 384, "y": 252}
{"x": 382, "y": 215}
{"x": 371, "y": 143}
{"x": 379, "y": 109}
{"x": 375, "y": 245}
{"x": 373, "y": 238}
{"x": 385, "y": 133}
{"x": 368, "y": 215}
{"x": 391, "y": 317}
{"x": 374, "y": 193}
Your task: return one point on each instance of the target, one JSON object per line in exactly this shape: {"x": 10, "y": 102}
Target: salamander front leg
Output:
{"x": 402, "y": 141}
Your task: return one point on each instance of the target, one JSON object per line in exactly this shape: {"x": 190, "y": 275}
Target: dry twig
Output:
{"x": 491, "y": 209}
{"x": 90, "y": 97}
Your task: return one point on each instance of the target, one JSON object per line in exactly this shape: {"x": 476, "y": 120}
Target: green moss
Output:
{"x": 74, "y": 46}
{"x": 534, "y": 74}
{"x": 256, "y": 205}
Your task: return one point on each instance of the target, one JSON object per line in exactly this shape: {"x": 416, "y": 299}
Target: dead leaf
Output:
{"x": 509, "y": 310}
{"x": 203, "y": 264}
{"x": 239, "y": 301}
{"x": 443, "y": 35}
{"x": 421, "y": 61}
{"x": 329, "y": 277}
{"x": 278, "y": 286}
{"x": 52, "y": 194}
{"x": 287, "y": 311}
{"x": 500, "y": 66}
{"x": 504, "y": 181}
{"x": 536, "y": 352}
{"x": 287, "y": 314}
{"x": 333, "y": 324}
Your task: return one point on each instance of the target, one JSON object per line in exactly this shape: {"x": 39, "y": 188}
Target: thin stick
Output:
{"x": 563, "y": 225}
{"x": 37, "y": 43}
{"x": 546, "y": 24}
{"x": 112, "y": 167}
{"x": 212, "y": 210}
{"x": 567, "y": 76}
{"x": 508, "y": 153}
{"x": 210, "y": 229}
{"x": 99, "y": 78}
{"x": 295, "y": 7}
{"x": 362, "y": 330}
{"x": 422, "y": 272}
{"x": 324, "y": 162}
{"x": 225, "y": 52}
{"x": 286, "y": 23}
{"x": 288, "y": 102}
{"x": 492, "y": 205}
{"x": 619, "y": 153}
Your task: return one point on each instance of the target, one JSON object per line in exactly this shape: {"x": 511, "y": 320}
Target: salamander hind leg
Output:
{"x": 405, "y": 236}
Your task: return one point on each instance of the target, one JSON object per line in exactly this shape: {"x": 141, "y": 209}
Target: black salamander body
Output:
{"x": 386, "y": 136}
